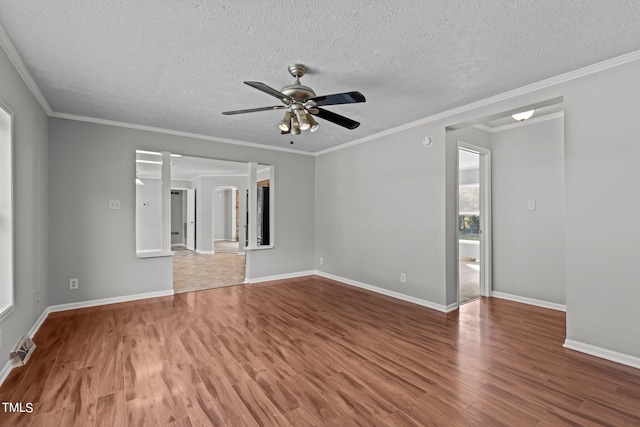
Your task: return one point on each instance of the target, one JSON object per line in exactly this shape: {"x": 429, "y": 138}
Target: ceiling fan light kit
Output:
{"x": 302, "y": 104}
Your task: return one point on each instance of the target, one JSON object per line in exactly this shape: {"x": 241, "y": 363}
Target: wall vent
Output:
{"x": 22, "y": 351}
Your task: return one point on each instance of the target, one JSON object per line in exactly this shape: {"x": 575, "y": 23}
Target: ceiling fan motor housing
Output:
{"x": 298, "y": 92}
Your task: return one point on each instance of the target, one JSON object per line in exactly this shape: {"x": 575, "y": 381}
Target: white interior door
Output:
{"x": 191, "y": 220}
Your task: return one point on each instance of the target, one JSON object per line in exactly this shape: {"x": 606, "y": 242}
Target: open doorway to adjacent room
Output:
{"x": 473, "y": 200}
{"x": 209, "y": 254}
{"x": 202, "y": 212}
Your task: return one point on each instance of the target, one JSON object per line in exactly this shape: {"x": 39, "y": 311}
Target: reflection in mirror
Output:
{"x": 148, "y": 202}
{"x": 200, "y": 202}
{"x": 263, "y": 188}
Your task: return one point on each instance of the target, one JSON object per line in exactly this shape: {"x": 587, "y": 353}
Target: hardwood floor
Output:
{"x": 310, "y": 351}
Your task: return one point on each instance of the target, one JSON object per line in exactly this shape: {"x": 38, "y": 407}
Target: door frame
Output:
{"x": 190, "y": 234}
{"x": 485, "y": 217}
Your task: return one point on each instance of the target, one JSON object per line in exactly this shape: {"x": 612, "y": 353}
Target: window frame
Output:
{"x": 7, "y": 153}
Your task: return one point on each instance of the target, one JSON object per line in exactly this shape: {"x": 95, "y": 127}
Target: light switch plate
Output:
{"x": 531, "y": 205}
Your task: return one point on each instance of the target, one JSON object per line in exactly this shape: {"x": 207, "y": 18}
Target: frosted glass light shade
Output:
{"x": 521, "y": 117}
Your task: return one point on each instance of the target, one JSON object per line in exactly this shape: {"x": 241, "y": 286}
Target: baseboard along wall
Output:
{"x": 592, "y": 350}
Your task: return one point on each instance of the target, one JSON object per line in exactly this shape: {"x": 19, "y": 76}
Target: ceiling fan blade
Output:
{"x": 336, "y": 118}
{"x": 268, "y": 90}
{"x": 338, "y": 98}
{"x": 253, "y": 110}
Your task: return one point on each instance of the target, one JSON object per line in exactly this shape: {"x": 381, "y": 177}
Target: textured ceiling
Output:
{"x": 178, "y": 64}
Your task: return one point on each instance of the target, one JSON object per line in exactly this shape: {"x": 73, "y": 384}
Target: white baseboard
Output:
{"x": 4, "y": 373}
{"x": 39, "y": 322}
{"x": 198, "y": 251}
{"x": 452, "y": 307}
{"x": 530, "y": 301}
{"x": 280, "y": 276}
{"x": 6, "y": 369}
{"x": 393, "y": 294}
{"x": 105, "y": 301}
{"x": 603, "y": 353}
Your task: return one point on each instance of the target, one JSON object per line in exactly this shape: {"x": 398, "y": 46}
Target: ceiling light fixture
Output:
{"x": 302, "y": 119}
{"x": 301, "y": 102}
{"x": 285, "y": 124}
{"x": 525, "y": 115}
{"x": 295, "y": 128}
{"x": 313, "y": 123}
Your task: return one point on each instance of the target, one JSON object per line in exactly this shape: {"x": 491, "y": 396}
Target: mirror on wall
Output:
{"x": 192, "y": 202}
{"x": 263, "y": 208}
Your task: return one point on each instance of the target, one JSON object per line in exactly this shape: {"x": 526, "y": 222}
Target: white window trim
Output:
{"x": 5, "y": 310}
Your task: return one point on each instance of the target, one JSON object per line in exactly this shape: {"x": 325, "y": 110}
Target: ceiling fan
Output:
{"x": 302, "y": 104}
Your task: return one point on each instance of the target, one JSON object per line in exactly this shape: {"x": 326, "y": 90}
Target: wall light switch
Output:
{"x": 531, "y": 205}
{"x": 114, "y": 204}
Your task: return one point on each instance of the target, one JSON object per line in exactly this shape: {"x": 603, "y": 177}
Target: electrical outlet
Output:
{"x": 38, "y": 296}
{"x": 403, "y": 278}
{"x": 114, "y": 204}
{"x": 321, "y": 261}
{"x": 73, "y": 283}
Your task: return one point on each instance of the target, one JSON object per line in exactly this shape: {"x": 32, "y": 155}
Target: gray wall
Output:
{"x": 380, "y": 213}
{"x": 601, "y": 175}
{"x": 528, "y": 246}
{"x": 222, "y": 214}
{"x": 92, "y": 163}
{"x": 382, "y": 206}
{"x": 31, "y": 221}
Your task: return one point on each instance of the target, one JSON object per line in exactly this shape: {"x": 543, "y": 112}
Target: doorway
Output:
{"x": 474, "y": 231}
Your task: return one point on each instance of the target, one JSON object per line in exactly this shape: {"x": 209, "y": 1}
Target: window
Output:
{"x": 6, "y": 212}
{"x": 469, "y": 212}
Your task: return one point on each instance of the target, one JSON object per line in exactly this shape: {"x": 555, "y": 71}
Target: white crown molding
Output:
{"x": 7, "y": 45}
{"x": 562, "y": 78}
{"x": 481, "y": 126}
{"x": 95, "y": 120}
{"x": 532, "y": 121}
{"x": 603, "y": 353}
{"x": 530, "y": 301}
{"x": 17, "y": 62}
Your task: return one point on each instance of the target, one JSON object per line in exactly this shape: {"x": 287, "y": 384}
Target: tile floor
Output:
{"x": 195, "y": 272}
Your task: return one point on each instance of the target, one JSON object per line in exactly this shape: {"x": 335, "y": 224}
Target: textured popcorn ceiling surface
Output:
{"x": 178, "y": 64}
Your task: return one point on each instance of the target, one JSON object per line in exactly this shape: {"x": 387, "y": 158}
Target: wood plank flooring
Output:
{"x": 310, "y": 351}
